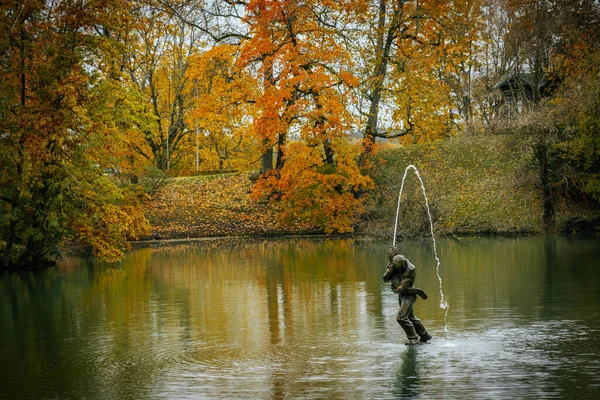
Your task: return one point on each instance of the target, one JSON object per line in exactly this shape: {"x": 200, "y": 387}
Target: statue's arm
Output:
{"x": 389, "y": 273}
{"x": 405, "y": 287}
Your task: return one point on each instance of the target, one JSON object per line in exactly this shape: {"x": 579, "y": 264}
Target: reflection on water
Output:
{"x": 305, "y": 318}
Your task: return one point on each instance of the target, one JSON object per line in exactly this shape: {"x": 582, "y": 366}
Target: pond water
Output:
{"x": 306, "y": 318}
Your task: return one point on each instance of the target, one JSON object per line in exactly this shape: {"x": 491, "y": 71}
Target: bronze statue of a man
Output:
{"x": 401, "y": 273}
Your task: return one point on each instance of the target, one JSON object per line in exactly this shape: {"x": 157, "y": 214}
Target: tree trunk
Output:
{"x": 328, "y": 152}
{"x": 280, "y": 143}
{"x": 541, "y": 152}
{"x": 266, "y": 161}
{"x": 367, "y": 148}
{"x": 384, "y": 43}
{"x": 9, "y": 244}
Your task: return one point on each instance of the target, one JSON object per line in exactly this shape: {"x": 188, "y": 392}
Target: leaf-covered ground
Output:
{"x": 474, "y": 185}
{"x": 213, "y": 206}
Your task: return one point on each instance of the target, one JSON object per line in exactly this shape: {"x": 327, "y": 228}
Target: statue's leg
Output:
{"x": 403, "y": 317}
{"x": 417, "y": 291}
{"x": 419, "y": 328}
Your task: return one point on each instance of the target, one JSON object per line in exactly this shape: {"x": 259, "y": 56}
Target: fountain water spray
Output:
{"x": 443, "y": 303}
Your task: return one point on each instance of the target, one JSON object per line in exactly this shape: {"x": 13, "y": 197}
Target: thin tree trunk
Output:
{"x": 328, "y": 152}
{"x": 548, "y": 214}
{"x": 9, "y": 244}
{"x": 266, "y": 161}
{"x": 280, "y": 143}
{"x": 384, "y": 41}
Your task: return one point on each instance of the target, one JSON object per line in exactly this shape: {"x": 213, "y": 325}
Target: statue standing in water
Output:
{"x": 401, "y": 273}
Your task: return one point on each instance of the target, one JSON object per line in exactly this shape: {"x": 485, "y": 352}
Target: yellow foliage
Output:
{"x": 109, "y": 219}
{"x": 311, "y": 191}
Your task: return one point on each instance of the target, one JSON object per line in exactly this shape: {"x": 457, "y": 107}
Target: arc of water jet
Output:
{"x": 443, "y": 303}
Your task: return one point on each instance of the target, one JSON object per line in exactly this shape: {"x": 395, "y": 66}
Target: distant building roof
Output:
{"x": 524, "y": 82}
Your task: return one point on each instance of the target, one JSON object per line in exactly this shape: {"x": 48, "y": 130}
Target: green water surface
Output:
{"x": 306, "y": 318}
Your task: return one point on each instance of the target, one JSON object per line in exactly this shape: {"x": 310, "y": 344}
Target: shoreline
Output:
{"x": 361, "y": 236}
{"x": 136, "y": 244}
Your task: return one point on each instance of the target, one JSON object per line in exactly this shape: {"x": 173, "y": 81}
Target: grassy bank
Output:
{"x": 475, "y": 185}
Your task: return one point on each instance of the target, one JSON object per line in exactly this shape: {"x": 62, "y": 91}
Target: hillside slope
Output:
{"x": 474, "y": 184}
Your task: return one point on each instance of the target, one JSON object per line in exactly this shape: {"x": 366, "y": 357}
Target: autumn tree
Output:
{"x": 157, "y": 62}
{"x": 460, "y": 59}
{"x": 494, "y": 62}
{"x": 301, "y": 110}
{"x": 56, "y": 64}
{"x": 540, "y": 41}
{"x": 574, "y": 105}
{"x": 399, "y": 48}
{"x": 579, "y": 102}
{"x": 224, "y": 98}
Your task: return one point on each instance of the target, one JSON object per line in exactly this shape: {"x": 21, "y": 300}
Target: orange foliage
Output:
{"x": 312, "y": 192}
{"x": 303, "y": 111}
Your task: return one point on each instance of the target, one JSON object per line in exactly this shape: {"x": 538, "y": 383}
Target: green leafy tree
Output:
{"x": 55, "y": 67}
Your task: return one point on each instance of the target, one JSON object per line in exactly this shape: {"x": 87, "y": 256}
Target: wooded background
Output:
{"x": 104, "y": 100}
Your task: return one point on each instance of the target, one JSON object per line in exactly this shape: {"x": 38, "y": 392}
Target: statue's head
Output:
{"x": 392, "y": 251}
{"x": 399, "y": 261}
